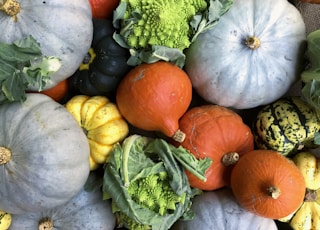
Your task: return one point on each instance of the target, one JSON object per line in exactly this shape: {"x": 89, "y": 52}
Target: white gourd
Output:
{"x": 47, "y": 160}
{"x": 85, "y": 211}
{"x": 225, "y": 71}
{"x": 218, "y": 209}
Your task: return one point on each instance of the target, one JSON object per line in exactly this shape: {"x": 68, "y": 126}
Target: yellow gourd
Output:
{"x": 5, "y": 220}
{"x": 307, "y": 216}
{"x": 101, "y": 121}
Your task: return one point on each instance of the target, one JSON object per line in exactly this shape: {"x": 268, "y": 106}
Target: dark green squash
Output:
{"x": 105, "y": 64}
{"x": 286, "y": 125}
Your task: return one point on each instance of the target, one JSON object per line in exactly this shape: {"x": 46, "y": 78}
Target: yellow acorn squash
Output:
{"x": 101, "y": 121}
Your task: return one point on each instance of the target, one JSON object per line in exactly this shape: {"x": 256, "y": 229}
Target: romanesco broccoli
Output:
{"x": 145, "y": 179}
{"x": 161, "y": 22}
{"x": 154, "y": 193}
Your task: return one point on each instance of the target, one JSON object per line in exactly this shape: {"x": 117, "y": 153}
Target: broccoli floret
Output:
{"x": 161, "y": 22}
{"x": 153, "y": 192}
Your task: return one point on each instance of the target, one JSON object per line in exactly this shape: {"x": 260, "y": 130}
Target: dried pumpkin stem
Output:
{"x": 253, "y": 42}
{"x": 311, "y": 195}
{"x": 10, "y": 7}
{"x": 46, "y": 224}
{"x": 5, "y": 155}
{"x": 179, "y": 136}
{"x": 230, "y": 158}
{"x": 274, "y": 192}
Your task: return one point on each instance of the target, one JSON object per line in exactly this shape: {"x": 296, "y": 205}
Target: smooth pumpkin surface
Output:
{"x": 268, "y": 184}
{"x": 218, "y": 133}
{"x": 224, "y": 70}
{"x": 48, "y": 160}
{"x": 63, "y": 28}
{"x": 103, "y": 8}
{"x": 105, "y": 64}
{"x": 219, "y": 210}
{"x": 154, "y": 96}
{"x": 86, "y": 211}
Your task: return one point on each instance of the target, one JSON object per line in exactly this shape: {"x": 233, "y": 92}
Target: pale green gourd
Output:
{"x": 85, "y": 211}
{"x": 44, "y": 155}
{"x": 251, "y": 57}
{"x": 219, "y": 210}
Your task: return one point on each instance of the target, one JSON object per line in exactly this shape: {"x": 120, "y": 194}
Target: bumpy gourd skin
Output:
{"x": 163, "y": 22}
{"x": 153, "y": 192}
{"x": 286, "y": 125}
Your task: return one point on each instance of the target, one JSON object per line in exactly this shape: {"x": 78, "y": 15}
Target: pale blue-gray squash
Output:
{"x": 44, "y": 155}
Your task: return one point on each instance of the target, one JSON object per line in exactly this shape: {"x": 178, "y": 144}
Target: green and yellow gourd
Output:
{"x": 5, "y": 220}
{"x": 286, "y": 125}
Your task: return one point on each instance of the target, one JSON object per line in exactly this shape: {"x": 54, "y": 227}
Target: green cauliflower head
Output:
{"x": 159, "y": 22}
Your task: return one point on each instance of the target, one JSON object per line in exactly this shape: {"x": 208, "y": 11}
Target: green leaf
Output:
{"x": 311, "y": 76}
{"x": 22, "y": 65}
{"x": 210, "y": 18}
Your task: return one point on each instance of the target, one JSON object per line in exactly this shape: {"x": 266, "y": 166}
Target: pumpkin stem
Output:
{"x": 230, "y": 158}
{"x": 11, "y": 8}
{"x": 311, "y": 195}
{"x": 46, "y": 223}
{"x": 5, "y": 155}
{"x": 179, "y": 136}
{"x": 274, "y": 192}
{"x": 253, "y": 42}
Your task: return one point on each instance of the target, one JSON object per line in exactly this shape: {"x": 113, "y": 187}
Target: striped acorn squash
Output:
{"x": 286, "y": 125}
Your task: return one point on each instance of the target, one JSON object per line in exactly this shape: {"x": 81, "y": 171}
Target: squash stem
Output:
{"x": 179, "y": 136}
{"x": 10, "y": 7}
{"x": 253, "y": 42}
{"x": 311, "y": 195}
{"x": 274, "y": 192}
{"x": 5, "y": 155}
{"x": 46, "y": 224}
{"x": 230, "y": 158}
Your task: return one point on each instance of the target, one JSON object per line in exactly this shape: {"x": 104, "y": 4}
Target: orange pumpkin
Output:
{"x": 154, "y": 96}
{"x": 218, "y": 133}
{"x": 57, "y": 92}
{"x": 268, "y": 184}
{"x": 103, "y": 8}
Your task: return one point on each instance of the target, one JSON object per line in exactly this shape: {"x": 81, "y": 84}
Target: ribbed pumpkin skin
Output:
{"x": 49, "y": 155}
{"x": 85, "y": 211}
{"x": 286, "y": 126}
{"x": 219, "y": 210}
{"x": 63, "y": 28}
{"x": 224, "y": 71}
{"x": 102, "y": 123}
{"x": 214, "y": 131}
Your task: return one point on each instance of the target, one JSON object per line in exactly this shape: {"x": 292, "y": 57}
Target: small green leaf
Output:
{"x": 311, "y": 76}
{"x": 22, "y": 65}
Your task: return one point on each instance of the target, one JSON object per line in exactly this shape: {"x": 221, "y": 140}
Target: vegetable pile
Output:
{"x": 142, "y": 114}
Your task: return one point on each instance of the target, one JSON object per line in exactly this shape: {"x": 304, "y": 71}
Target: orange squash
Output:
{"x": 57, "y": 92}
{"x": 154, "y": 96}
{"x": 103, "y": 8}
{"x": 268, "y": 184}
{"x": 218, "y": 133}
